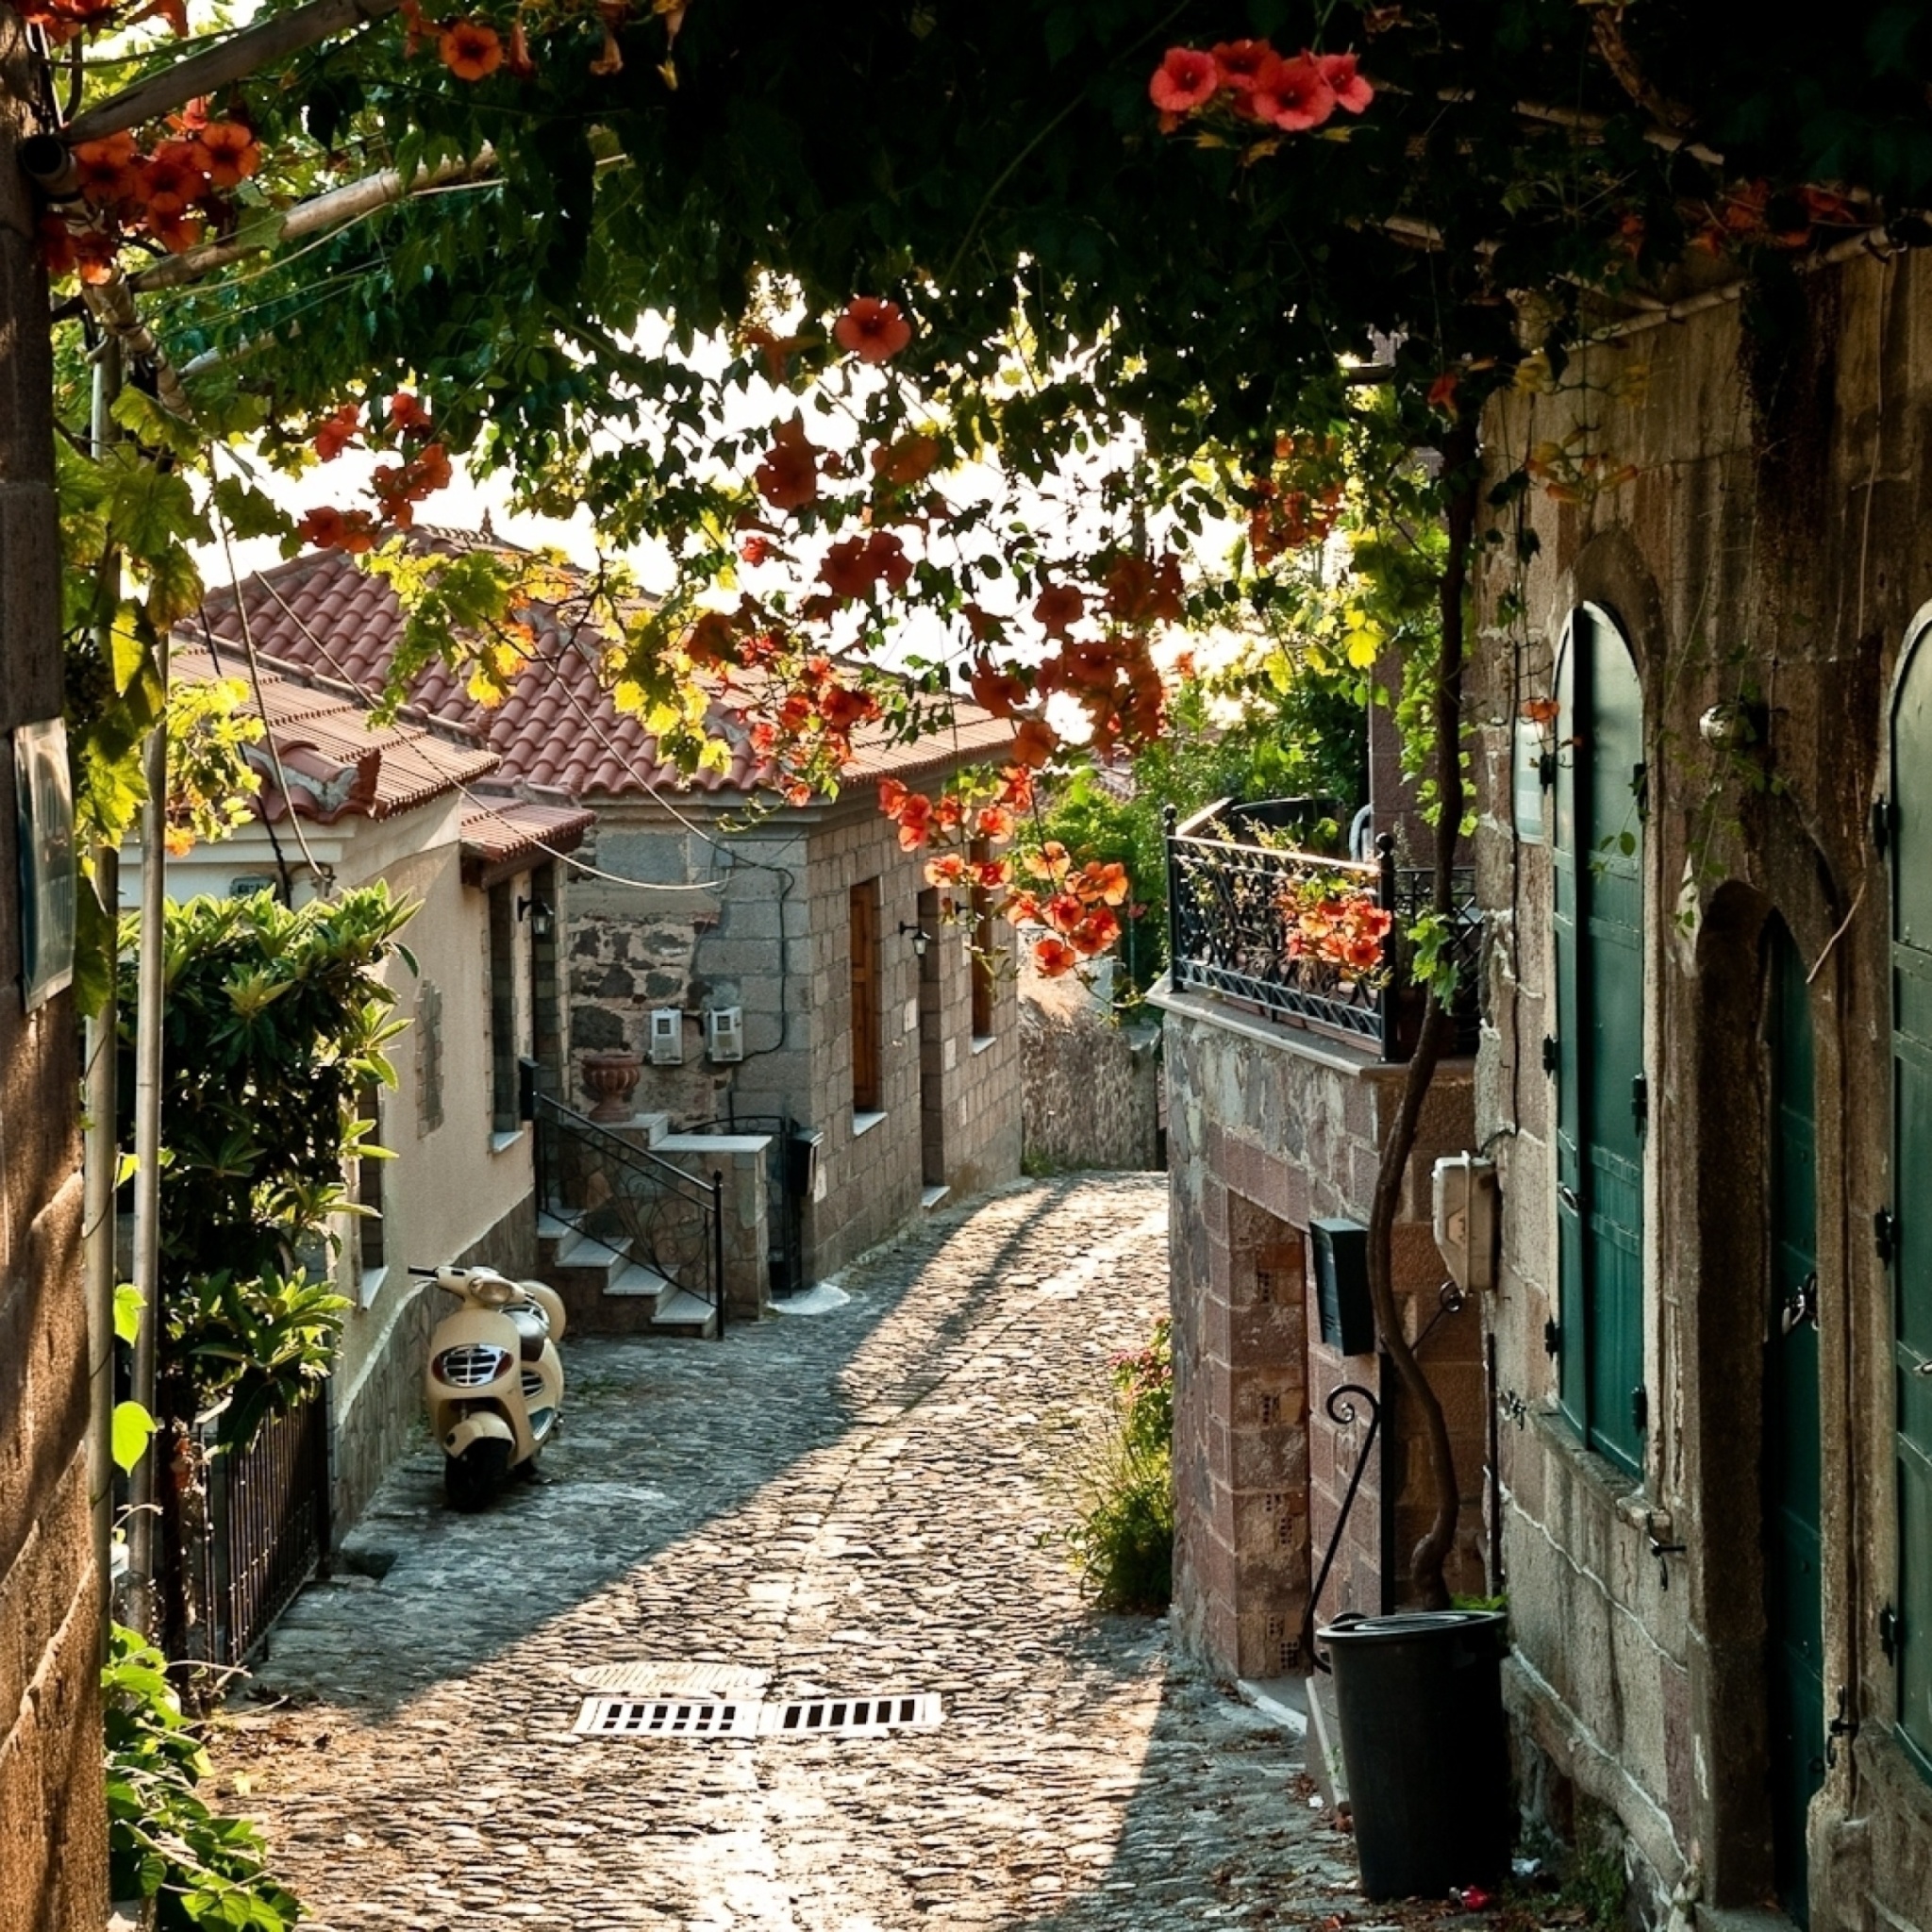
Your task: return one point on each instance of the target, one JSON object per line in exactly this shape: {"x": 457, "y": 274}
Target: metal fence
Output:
{"x": 1240, "y": 912}
{"x": 242, "y": 1530}
{"x": 633, "y": 1201}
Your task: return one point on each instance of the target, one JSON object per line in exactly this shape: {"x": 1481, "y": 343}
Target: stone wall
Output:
{"x": 53, "y": 1820}
{"x": 1770, "y": 556}
{"x": 761, "y": 921}
{"x": 1269, "y": 1129}
{"x": 1091, "y": 1086}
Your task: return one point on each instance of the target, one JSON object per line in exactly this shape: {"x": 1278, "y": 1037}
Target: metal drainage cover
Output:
{"x": 674, "y": 1681}
{"x": 846, "y": 1717}
{"x": 799, "y": 1717}
{"x": 667, "y": 1717}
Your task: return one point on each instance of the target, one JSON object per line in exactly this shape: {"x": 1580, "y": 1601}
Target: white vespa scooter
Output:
{"x": 495, "y": 1380}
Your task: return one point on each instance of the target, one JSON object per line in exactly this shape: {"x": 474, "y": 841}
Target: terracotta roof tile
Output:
{"x": 497, "y": 831}
{"x": 559, "y": 728}
{"x": 337, "y": 762}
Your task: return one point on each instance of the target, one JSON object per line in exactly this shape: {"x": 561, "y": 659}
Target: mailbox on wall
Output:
{"x": 1342, "y": 1285}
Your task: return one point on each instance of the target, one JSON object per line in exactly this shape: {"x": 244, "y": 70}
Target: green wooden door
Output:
{"x": 1794, "y": 1606}
{"x": 1602, "y": 1101}
{"x": 1911, "y": 1067}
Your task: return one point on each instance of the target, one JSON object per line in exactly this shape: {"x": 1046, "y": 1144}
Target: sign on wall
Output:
{"x": 44, "y": 808}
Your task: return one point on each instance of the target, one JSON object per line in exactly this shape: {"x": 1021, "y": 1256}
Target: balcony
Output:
{"x": 1305, "y": 940}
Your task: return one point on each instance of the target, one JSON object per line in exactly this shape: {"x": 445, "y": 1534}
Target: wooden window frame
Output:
{"x": 868, "y": 1087}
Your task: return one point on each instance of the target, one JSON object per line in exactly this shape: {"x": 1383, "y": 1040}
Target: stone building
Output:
{"x": 761, "y": 963}
{"x": 53, "y": 1815}
{"x": 1281, "y": 1078}
{"x": 1705, "y": 1075}
{"x": 398, "y": 804}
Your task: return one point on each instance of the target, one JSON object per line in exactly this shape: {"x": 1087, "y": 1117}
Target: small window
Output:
{"x": 980, "y": 905}
{"x": 865, "y": 997}
{"x": 503, "y": 1012}
{"x": 371, "y": 1234}
{"x": 428, "y": 1056}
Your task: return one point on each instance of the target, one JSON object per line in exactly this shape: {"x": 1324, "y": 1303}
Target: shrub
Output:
{"x": 164, "y": 1845}
{"x": 1123, "y": 1545}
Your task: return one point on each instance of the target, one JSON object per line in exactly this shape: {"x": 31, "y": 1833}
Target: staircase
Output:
{"x": 629, "y": 1240}
{"x": 606, "y": 1292}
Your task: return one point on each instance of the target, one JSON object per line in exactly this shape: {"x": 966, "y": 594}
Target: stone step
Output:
{"x": 635, "y": 1278}
{"x": 682, "y": 1313}
{"x": 931, "y": 1197}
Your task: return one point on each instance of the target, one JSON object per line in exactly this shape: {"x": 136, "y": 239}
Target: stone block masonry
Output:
{"x": 53, "y": 1819}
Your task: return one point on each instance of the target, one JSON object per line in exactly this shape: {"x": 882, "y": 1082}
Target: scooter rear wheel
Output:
{"x": 471, "y": 1479}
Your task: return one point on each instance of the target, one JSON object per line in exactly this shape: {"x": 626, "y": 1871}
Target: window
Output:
{"x": 502, "y": 1011}
{"x": 428, "y": 1056}
{"x": 1909, "y": 1636}
{"x": 980, "y": 904}
{"x": 1602, "y": 1093}
{"x": 865, "y": 998}
{"x": 371, "y": 1250}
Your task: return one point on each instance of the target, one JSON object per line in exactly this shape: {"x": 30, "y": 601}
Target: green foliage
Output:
{"x": 165, "y": 1844}
{"x": 273, "y": 1019}
{"x": 1123, "y": 1545}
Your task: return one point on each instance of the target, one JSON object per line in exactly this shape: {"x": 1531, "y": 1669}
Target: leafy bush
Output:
{"x": 272, "y": 1021}
{"x": 200, "y": 1869}
{"x": 1123, "y": 1545}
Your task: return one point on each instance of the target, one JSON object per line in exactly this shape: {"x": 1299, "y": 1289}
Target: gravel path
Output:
{"x": 863, "y": 1499}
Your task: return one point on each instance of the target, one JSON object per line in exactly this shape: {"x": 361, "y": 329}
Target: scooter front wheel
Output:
{"x": 471, "y": 1479}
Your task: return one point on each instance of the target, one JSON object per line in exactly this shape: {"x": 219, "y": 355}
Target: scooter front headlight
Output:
{"x": 471, "y": 1365}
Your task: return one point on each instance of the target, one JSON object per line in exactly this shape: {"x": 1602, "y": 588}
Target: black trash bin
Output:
{"x": 1420, "y": 1698}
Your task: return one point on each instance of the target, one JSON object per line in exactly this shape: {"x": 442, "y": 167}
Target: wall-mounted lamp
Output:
{"x": 921, "y": 938}
{"x": 542, "y": 919}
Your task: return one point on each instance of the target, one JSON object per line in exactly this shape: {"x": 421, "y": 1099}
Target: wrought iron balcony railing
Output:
{"x": 1314, "y": 942}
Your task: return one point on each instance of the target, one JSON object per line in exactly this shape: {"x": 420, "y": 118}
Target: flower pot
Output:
{"x": 610, "y": 1078}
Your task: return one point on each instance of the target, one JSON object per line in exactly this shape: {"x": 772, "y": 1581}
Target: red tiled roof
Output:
{"x": 497, "y": 832}
{"x": 558, "y": 729}
{"x": 337, "y": 763}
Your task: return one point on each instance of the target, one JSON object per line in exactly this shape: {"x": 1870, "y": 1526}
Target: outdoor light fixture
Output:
{"x": 542, "y": 920}
{"x": 921, "y": 938}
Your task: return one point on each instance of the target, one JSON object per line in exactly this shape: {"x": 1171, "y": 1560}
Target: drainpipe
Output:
{"x": 101, "y": 1155}
{"x": 144, "y": 1488}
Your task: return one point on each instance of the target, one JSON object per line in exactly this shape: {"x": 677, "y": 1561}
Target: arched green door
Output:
{"x": 1793, "y": 1602}
{"x": 1909, "y": 1634}
{"x": 1602, "y": 1096}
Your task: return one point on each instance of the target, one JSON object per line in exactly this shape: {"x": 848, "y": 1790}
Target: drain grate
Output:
{"x": 846, "y": 1717}
{"x": 701, "y": 1716}
{"x": 667, "y": 1717}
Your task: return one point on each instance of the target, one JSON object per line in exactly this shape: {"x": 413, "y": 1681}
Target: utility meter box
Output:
{"x": 725, "y": 1033}
{"x": 667, "y": 1037}
{"x": 1465, "y": 1217}
{"x": 1342, "y": 1285}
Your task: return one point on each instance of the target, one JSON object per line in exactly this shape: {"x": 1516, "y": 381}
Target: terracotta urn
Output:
{"x": 610, "y": 1078}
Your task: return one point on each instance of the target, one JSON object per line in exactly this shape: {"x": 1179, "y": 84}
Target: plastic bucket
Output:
{"x": 1424, "y": 1748}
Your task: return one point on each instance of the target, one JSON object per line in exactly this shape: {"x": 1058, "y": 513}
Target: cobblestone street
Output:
{"x": 854, "y": 1500}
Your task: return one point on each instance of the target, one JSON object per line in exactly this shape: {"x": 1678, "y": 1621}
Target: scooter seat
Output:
{"x": 532, "y": 1327}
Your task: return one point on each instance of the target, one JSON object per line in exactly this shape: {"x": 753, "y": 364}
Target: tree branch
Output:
{"x": 335, "y": 210}
{"x": 234, "y": 59}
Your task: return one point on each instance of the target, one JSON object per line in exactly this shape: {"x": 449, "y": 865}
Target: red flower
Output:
{"x": 106, "y": 169}
{"x": 334, "y": 434}
{"x": 993, "y": 822}
{"x": 755, "y": 550}
{"x": 1002, "y": 692}
{"x": 229, "y": 152}
{"x": 788, "y": 477}
{"x": 1442, "y": 393}
{"x": 949, "y": 869}
{"x": 872, "y": 329}
{"x": 471, "y": 49}
{"x": 885, "y": 558}
{"x": 1059, "y": 609}
{"x": 1348, "y": 86}
{"x": 906, "y": 462}
{"x": 172, "y": 178}
{"x": 178, "y": 233}
{"x": 1292, "y": 95}
{"x": 845, "y": 569}
{"x": 1186, "y": 79}
{"x": 1035, "y": 742}
{"x": 1242, "y": 63}
{"x": 407, "y": 415}
{"x": 57, "y": 245}
{"x": 1054, "y": 958}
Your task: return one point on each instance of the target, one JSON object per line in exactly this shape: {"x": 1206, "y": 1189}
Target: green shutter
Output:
{"x": 1911, "y": 1043}
{"x": 1597, "y": 850}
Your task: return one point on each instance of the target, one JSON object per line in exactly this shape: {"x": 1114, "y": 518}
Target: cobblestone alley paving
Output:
{"x": 852, "y": 1501}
